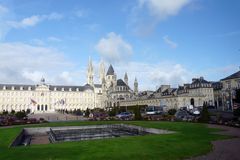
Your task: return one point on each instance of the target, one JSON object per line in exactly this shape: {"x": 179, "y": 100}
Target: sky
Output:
{"x": 156, "y": 41}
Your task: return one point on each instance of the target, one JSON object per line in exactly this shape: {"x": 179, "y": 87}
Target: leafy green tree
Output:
{"x": 113, "y": 112}
{"x": 20, "y": 114}
{"x": 204, "y": 116}
{"x": 137, "y": 113}
{"x": 12, "y": 112}
{"x": 87, "y": 112}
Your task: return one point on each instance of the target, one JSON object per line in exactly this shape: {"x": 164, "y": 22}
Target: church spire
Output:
{"x": 90, "y": 72}
{"x": 102, "y": 71}
{"x": 126, "y": 78}
{"x": 135, "y": 86}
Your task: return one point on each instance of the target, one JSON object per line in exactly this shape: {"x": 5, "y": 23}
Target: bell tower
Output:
{"x": 101, "y": 72}
{"x": 90, "y": 72}
{"x": 135, "y": 86}
{"x": 126, "y": 78}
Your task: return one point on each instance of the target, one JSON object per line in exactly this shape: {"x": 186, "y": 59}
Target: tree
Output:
{"x": 113, "y": 111}
{"x": 12, "y": 112}
{"x": 78, "y": 112}
{"x": 237, "y": 96}
{"x": 172, "y": 111}
{"x": 236, "y": 112}
{"x": 87, "y": 112}
{"x": 21, "y": 114}
{"x": 137, "y": 113}
{"x": 28, "y": 111}
{"x": 204, "y": 116}
{"x": 5, "y": 112}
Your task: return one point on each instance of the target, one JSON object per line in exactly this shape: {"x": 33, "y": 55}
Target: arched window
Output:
{"x": 38, "y": 107}
{"x": 46, "y": 107}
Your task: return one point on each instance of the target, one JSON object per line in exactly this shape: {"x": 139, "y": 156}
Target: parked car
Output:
{"x": 98, "y": 116}
{"x": 125, "y": 116}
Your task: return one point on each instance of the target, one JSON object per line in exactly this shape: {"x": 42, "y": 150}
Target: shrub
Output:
{"x": 236, "y": 112}
{"x": 20, "y": 114}
{"x": 172, "y": 111}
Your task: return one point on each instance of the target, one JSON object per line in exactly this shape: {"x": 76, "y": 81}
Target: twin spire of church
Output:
{"x": 90, "y": 72}
{"x": 102, "y": 75}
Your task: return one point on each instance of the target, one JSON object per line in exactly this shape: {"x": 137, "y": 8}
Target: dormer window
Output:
{"x": 29, "y": 88}
{"x": 12, "y": 87}
{"x": 55, "y": 88}
{"x": 21, "y": 88}
{"x": 77, "y": 89}
{"x": 70, "y": 89}
{"x": 62, "y": 89}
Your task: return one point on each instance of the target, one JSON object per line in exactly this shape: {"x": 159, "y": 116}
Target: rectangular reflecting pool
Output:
{"x": 45, "y": 135}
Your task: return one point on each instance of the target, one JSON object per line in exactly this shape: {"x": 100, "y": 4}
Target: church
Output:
{"x": 48, "y": 98}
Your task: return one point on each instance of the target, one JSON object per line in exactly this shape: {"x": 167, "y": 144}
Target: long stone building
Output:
{"x": 43, "y": 97}
{"x": 197, "y": 93}
{"x": 114, "y": 92}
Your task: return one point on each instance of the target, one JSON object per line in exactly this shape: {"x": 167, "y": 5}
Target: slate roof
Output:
{"x": 110, "y": 70}
{"x": 51, "y": 87}
{"x": 16, "y": 86}
{"x": 120, "y": 82}
{"x": 217, "y": 85}
{"x": 233, "y": 76}
{"x": 199, "y": 80}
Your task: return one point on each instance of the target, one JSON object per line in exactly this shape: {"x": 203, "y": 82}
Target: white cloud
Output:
{"x": 170, "y": 42}
{"x": 4, "y": 14}
{"x": 38, "y": 42}
{"x": 3, "y": 9}
{"x": 113, "y": 48}
{"x": 54, "y": 39}
{"x": 34, "y": 20}
{"x": 24, "y": 63}
{"x": 34, "y": 76}
{"x": 163, "y": 8}
{"x": 152, "y": 12}
{"x": 151, "y": 75}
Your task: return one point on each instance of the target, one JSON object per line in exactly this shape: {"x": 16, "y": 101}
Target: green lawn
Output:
{"x": 189, "y": 140}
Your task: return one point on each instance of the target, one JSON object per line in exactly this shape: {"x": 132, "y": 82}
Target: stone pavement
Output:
{"x": 224, "y": 149}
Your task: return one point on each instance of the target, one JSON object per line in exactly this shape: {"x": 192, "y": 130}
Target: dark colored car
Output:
{"x": 125, "y": 116}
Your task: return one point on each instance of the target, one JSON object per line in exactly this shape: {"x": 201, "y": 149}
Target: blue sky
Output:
{"x": 157, "y": 41}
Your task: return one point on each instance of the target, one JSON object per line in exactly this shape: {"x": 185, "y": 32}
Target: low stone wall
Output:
{"x": 17, "y": 141}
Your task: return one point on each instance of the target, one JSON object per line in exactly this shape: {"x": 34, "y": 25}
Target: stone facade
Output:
{"x": 43, "y": 97}
{"x": 225, "y": 91}
{"x": 197, "y": 93}
{"x": 113, "y": 92}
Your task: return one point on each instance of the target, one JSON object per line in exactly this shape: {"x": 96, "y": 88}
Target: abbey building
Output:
{"x": 43, "y": 97}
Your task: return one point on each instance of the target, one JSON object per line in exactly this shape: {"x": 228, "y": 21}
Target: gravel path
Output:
{"x": 224, "y": 149}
